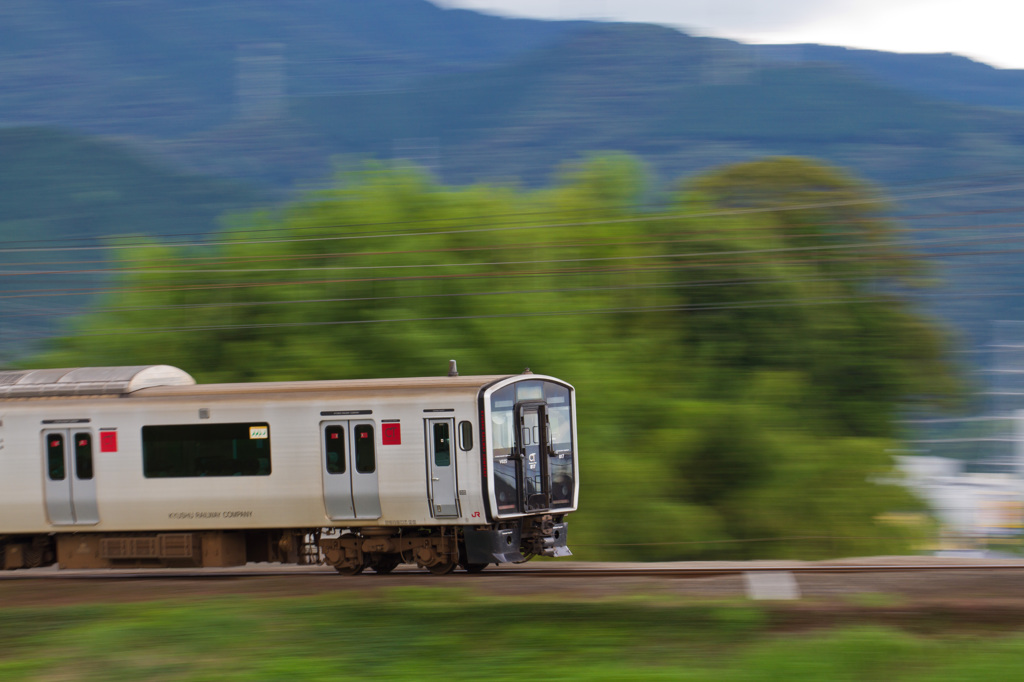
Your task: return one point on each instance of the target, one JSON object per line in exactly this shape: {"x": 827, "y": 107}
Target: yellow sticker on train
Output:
{"x": 258, "y": 432}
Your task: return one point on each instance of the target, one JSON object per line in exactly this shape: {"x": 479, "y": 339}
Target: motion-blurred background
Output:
{"x": 783, "y": 278}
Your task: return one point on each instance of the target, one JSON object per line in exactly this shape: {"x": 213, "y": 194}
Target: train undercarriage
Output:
{"x": 441, "y": 549}
{"x": 350, "y": 551}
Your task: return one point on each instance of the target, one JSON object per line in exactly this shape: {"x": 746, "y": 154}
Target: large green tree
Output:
{"x": 739, "y": 357}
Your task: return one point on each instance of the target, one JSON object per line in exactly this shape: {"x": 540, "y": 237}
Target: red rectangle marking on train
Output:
{"x": 108, "y": 441}
{"x": 391, "y": 434}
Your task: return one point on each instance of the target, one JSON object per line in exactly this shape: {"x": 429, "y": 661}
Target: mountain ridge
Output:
{"x": 274, "y": 97}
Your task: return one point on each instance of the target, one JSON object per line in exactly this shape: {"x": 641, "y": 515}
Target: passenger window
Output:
{"x": 442, "y": 445}
{"x": 561, "y": 430}
{"x": 466, "y": 435}
{"x": 83, "y": 456}
{"x": 200, "y": 450}
{"x": 55, "y": 456}
{"x": 366, "y": 458}
{"x": 503, "y": 428}
{"x": 334, "y": 438}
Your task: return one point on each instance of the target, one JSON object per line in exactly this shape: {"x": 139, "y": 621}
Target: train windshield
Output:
{"x": 531, "y": 443}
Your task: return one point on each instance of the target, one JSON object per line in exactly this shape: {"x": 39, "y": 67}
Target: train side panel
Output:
{"x": 290, "y": 495}
{"x": 21, "y": 475}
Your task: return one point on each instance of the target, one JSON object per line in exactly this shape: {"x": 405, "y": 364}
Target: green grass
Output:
{"x": 404, "y": 633}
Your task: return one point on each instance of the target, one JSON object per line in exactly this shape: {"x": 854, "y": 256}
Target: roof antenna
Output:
{"x": 453, "y": 370}
{"x": 527, "y": 371}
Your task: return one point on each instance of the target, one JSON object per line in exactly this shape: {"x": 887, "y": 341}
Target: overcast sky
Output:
{"x": 986, "y": 30}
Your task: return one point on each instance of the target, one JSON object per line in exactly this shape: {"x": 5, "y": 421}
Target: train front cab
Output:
{"x": 530, "y": 466}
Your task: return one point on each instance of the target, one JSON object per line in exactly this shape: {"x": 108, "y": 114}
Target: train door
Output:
{"x": 442, "y": 486}
{"x": 70, "y": 488}
{"x": 349, "y": 468}
{"x": 531, "y": 418}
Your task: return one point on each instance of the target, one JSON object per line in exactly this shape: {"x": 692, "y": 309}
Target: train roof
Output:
{"x": 327, "y": 386}
{"x": 167, "y": 381}
{"x": 45, "y": 383}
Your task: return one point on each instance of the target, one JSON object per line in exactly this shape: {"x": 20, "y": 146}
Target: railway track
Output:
{"x": 700, "y": 570}
{"x": 680, "y": 570}
{"x": 907, "y": 579}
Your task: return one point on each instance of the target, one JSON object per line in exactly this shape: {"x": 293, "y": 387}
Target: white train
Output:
{"x": 140, "y": 466}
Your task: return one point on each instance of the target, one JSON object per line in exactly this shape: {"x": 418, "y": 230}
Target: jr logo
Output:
{"x": 476, "y": 515}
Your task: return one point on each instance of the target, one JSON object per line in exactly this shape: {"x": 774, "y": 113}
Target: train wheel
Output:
{"x": 350, "y": 570}
{"x": 385, "y": 564}
{"x": 443, "y": 568}
{"x": 474, "y": 568}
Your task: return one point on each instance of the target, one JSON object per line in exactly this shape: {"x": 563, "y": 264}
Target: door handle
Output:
{"x": 434, "y": 479}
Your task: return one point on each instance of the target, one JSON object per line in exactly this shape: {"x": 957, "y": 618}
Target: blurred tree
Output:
{"x": 739, "y": 360}
{"x": 816, "y": 276}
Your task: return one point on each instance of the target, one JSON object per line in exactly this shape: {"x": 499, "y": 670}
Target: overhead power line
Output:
{"x": 682, "y": 307}
{"x": 866, "y": 246}
{"x": 563, "y": 272}
{"x": 536, "y": 313}
{"x": 632, "y": 219}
